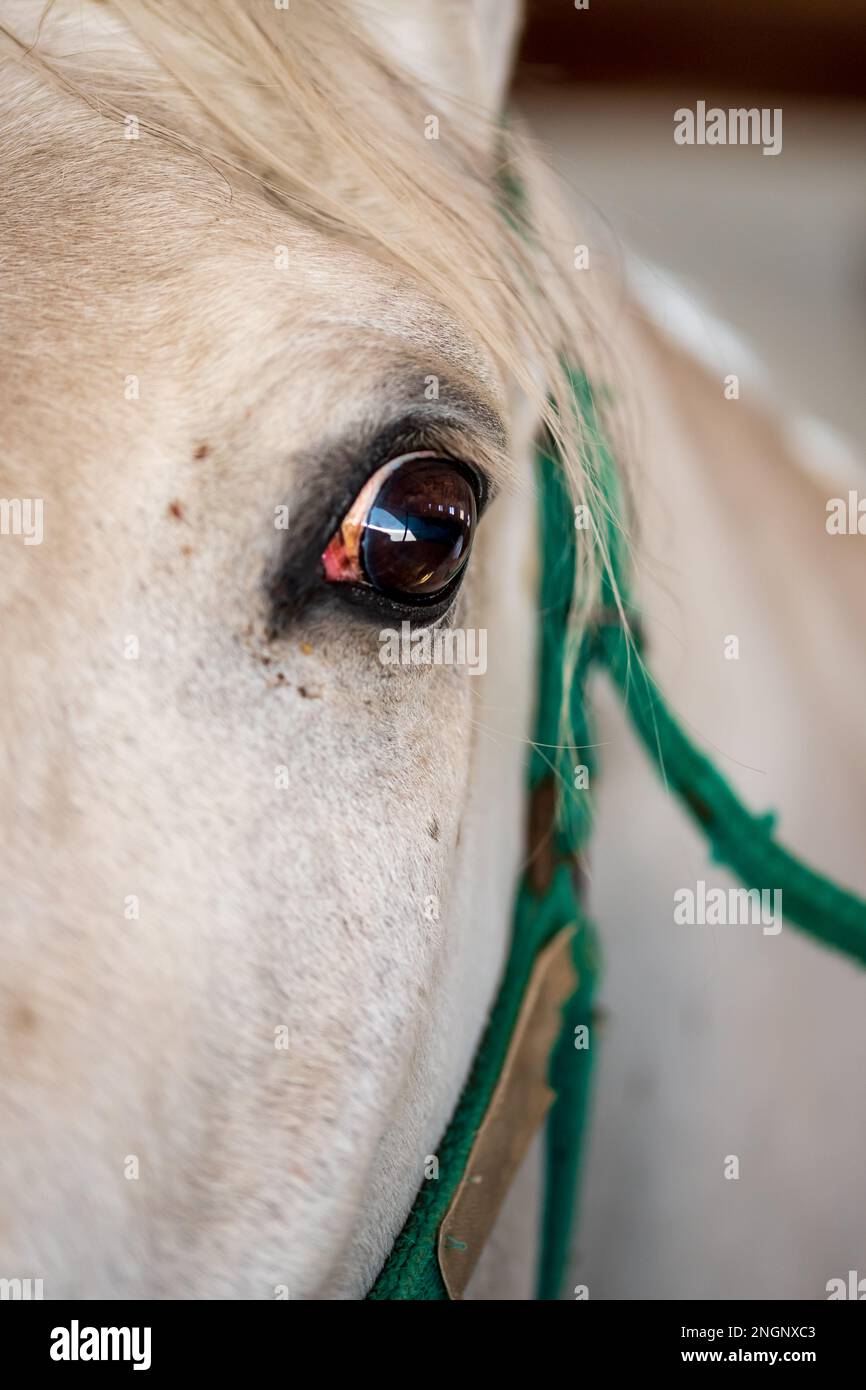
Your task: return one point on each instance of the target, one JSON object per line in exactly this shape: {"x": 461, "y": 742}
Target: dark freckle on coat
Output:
{"x": 175, "y": 509}
{"x": 306, "y": 694}
{"x": 201, "y": 452}
{"x": 22, "y": 1020}
{"x": 433, "y": 829}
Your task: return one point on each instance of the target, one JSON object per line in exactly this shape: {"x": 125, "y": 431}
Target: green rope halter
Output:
{"x": 737, "y": 838}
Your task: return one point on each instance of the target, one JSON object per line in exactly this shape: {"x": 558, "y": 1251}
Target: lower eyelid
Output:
{"x": 379, "y": 608}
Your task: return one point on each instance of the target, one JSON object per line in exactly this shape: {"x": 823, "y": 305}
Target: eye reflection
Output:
{"x": 409, "y": 531}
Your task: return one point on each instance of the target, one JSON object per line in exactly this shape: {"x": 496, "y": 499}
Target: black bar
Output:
{"x": 226, "y": 1338}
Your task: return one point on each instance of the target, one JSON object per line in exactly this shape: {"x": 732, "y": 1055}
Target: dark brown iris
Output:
{"x": 417, "y": 534}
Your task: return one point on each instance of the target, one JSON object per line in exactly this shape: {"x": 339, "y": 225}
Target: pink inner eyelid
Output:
{"x": 341, "y": 559}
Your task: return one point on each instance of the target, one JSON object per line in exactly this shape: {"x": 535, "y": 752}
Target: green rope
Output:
{"x": 739, "y": 839}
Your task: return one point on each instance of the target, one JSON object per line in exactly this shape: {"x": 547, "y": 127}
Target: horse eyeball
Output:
{"x": 409, "y": 531}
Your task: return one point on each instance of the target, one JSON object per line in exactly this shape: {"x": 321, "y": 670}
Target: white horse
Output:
{"x": 256, "y": 884}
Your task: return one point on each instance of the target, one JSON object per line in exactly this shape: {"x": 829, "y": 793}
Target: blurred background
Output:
{"x": 774, "y": 245}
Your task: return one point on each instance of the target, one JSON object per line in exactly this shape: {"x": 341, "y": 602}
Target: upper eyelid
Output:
{"x": 481, "y": 482}
{"x": 446, "y": 439}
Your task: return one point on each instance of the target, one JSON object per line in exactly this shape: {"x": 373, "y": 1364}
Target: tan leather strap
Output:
{"x": 517, "y": 1109}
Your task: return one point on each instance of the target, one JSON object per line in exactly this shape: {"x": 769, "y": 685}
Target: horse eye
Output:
{"x": 409, "y": 531}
